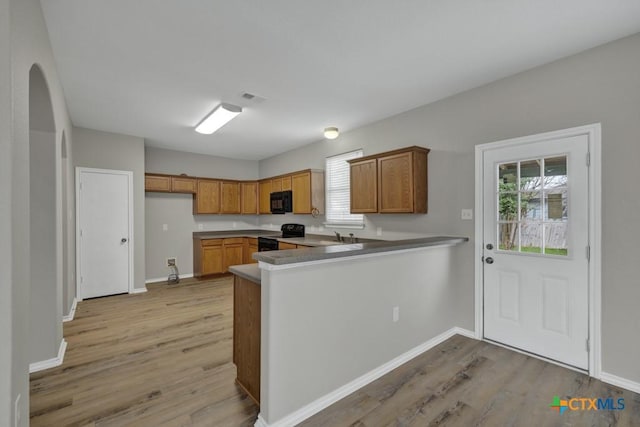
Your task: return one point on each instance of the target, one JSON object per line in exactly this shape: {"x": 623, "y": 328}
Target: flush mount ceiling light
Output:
{"x": 331, "y": 132}
{"x": 219, "y": 117}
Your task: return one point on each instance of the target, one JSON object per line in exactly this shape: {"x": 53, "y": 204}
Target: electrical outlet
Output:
{"x": 235, "y": 224}
{"x": 171, "y": 261}
{"x": 200, "y": 226}
{"x": 16, "y": 413}
{"x": 396, "y": 313}
{"x": 165, "y": 227}
{"x": 379, "y": 231}
{"x": 466, "y": 214}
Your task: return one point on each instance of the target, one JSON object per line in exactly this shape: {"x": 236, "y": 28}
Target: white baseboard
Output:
{"x": 620, "y": 382}
{"x": 164, "y": 279}
{"x": 329, "y": 399}
{"x": 465, "y": 333}
{"x": 50, "y": 363}
{"x": 72, "y": 311}
{"x": 138, "y": 290}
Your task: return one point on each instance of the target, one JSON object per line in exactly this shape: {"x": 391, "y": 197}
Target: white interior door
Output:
{"x": 104, "y": 216}
{"x": 536, "y": 271}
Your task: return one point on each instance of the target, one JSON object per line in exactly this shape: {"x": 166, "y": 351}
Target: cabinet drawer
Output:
{"x": 211, "y": 242}
{"x": 234, "y": 241}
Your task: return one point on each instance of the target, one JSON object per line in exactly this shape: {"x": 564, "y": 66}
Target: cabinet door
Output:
{"x": 211, "y": 260}
{"x": 230, "y": 203}
{"x": 301, "y": 193}
{"x": 276, "y": 185}
{"x": 282, "y": 246}
{"x": 364, "y": 186}
{"x": 181, "y": 184}
{"x": 158, "y": 183}
{"x": 395, "y": 183}
{"x": 232, "y": 255}
{"x": 250, "y": 247}
{"x": 264, "y": 188}
{"x": 208, "y": 197}
{"x": 249, "y": 197}
{"x": 286, "y": 183}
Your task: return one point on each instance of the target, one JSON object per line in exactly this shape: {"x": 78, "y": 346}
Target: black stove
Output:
{"x": 288, "y": 231}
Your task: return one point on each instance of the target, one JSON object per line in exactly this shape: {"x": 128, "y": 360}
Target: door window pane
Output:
{"x": 532, "y": 206}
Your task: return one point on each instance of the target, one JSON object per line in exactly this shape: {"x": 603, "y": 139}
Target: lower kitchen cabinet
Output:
{"x": 214, "y": 256}
{"x": 250, "y": 248}
{"x": 282, "y": 246}
{"x": 246, "y": 335}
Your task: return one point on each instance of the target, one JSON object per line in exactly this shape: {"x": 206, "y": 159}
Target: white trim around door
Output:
{"x": 129, "y": 175}
{"x": 593, "y": 132}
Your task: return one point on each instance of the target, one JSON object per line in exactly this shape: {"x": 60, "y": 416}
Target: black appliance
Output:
{"x": 288, "y": 231}
{"x": 281, "y": 202}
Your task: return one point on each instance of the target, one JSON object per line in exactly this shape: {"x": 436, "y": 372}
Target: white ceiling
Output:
{"x": 155, "y": 68}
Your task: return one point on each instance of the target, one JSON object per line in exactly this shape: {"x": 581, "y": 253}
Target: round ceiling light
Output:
{"x": 331, "y": 132}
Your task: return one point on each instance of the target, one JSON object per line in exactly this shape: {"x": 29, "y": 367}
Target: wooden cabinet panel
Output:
{"x": 246, "y": 335}
{"x": 286, "y": 183}
{"x": 264, "y": 190}
{"x": 159, "y": 183}
{"x": 364, "y": 186}
{"x": 180, "y": 184}
{"x": 395, "y": 183}
{"x": 233, "y": 253}
{"x": 283, "y": 246}
{"x": 230, "y": 197}
{"x": 250, "y": 247}
{"x": 211, "y": 260}
{"x": 276, "y": 185}
{"x": 249, "y": 198}
{"x": 301, "y": 193}
{"x": 207, "y": 197}
{"x": 398, "y": 179}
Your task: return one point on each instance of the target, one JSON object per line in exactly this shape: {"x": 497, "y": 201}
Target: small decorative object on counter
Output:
{"x": 174, "y": 275}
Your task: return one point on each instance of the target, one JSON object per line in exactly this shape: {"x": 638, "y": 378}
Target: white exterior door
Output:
{"x": 104, "y": 205}
{"x": 535, "y": 239}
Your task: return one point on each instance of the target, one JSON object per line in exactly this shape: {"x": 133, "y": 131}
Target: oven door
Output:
{"x": 267, "y": 244}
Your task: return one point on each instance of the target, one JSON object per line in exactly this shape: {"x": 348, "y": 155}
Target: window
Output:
{"x": 338, "y": 198}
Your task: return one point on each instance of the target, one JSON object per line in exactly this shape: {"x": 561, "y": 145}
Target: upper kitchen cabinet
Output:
{"x": 308, "y": 192}
{"x": 264, "y": 191}
{"x": 230, "y": 202}
{"x": 207, "y": 197}
{"x": 390, "y": 182}
{"x": 364, "y": 186}
{"x": 169, "y": 183}
{"x": 249, "y": 198}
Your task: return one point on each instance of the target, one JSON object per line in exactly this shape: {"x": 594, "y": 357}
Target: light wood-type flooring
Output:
{"x": 164, "y": 358}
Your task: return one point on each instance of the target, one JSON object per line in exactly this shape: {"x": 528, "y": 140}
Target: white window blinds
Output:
{"x": 338, "y": 200}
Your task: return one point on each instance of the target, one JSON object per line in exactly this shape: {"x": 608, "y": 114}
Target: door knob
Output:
{"x": 123, "y": 240}
{"x": 489, "y": 246}
{"x": 488, "y": 260}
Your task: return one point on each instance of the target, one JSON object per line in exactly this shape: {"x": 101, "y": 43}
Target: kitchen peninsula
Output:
{"x": 326, "y": 315}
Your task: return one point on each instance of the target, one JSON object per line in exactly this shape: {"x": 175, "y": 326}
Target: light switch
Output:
{"x": 165, "y": 227}
{"x": 466, "y": 214}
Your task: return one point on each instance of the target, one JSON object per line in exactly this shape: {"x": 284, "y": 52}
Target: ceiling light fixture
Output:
{"x": 219, "y": 117}
{"x": 331, "y": 132}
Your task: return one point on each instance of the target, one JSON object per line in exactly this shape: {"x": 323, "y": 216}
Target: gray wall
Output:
{"x": 104, "y": 150}
{"x": 23, "y": 26}
{"x": 325, "y": 325}
{"x": 175, "y": 210}
{"x": 599, "y": 85}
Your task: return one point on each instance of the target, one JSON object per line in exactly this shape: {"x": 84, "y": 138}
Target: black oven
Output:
{"x": 288, "y": 231}
{"x": 281, "y": 202}
{"x": 267, "y": 244}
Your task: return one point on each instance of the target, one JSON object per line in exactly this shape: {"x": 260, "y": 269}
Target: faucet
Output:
{"x": 353, "y": 239}
{"x": 338, "y": 238}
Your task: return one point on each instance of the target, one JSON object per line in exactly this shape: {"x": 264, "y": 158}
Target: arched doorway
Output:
{"x": 45, "y": 328}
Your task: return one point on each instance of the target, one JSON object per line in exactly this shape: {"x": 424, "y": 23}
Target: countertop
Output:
{"x": 235, "y": 233}
{"x": 292, "y": 256}
{"x": 250, "y": 272}
{"x": 308, "y": 240}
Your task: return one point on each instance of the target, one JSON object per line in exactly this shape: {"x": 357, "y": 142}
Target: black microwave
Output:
{"x": 281, "y": 202}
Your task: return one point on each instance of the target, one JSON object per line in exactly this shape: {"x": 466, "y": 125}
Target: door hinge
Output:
{"x": 588, "y": 159}
{"x": 588, "y": 253}
{"x": 587, "y": 344}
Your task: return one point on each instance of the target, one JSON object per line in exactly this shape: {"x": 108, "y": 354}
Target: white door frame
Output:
{"x": 129, "y": 175}
{"x": 593, "y": 133}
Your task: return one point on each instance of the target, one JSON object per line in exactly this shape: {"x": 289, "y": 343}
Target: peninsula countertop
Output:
{"x": 341, "y": 250}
